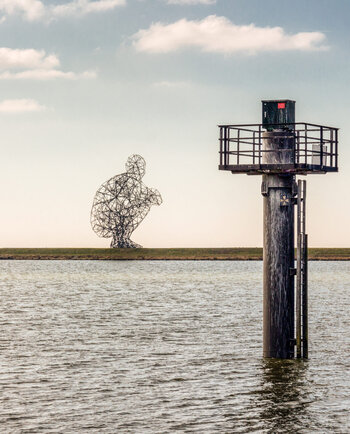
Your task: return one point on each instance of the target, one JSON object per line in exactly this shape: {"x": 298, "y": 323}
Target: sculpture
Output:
{"x": 121, "y": 203}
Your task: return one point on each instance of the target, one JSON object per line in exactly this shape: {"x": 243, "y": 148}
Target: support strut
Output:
{"x": 301, "y": 296}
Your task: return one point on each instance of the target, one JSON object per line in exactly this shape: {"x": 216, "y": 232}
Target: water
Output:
{"x": 155, "y": 347}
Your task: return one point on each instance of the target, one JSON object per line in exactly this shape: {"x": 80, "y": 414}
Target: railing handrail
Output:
{"x": 240, "y": 143}
{"x": 276, "y": 124}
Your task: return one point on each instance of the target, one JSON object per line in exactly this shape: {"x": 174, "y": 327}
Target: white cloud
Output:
{"x": 34, "y": 64}
{"x": 191, "y": 2}
{"x": 14, "y": 106}
{"x": 219, "y": 35}
{"x": 45, "y": 74}
{"x": 81, "y": 7}
{"x": 35, "y": 9}
{"x": 30, "y": 9}
{"x": 27, "y": 58}
{"x": 171, "y": 84}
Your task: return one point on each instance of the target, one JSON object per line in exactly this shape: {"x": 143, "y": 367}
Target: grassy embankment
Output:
{"x": 318, "y": 254}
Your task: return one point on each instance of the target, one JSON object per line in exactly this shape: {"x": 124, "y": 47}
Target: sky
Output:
{"x": 85, "y": 84}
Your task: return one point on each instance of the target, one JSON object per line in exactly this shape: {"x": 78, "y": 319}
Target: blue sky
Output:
{"x": 84, "y": 84}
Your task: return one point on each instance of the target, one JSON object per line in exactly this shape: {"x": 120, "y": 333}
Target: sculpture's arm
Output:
{"x": 155, "y": 196}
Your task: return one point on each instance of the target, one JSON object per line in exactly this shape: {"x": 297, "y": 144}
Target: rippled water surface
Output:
{"x": 155, "y": 347}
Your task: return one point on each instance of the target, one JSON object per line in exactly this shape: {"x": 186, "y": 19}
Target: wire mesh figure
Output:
{"x": 122, "y": 202}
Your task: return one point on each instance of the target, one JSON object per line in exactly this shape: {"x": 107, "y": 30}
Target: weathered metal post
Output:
{"x": 285, "y": 149}
{"x": 305, "y": 302}
{"x": 278, "y": 297}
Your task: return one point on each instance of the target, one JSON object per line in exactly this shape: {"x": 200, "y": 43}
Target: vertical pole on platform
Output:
{"x": 278, "y": 191}
{"x": 299, "y": 273}
{"x": 301, "y": 313}
{"x": 305, "y": 303}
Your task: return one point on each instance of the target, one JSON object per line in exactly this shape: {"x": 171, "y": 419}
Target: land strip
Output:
{"x": 186, "y": 254}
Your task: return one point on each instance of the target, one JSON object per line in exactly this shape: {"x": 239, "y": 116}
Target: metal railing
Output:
{"x": 315, "y": 147}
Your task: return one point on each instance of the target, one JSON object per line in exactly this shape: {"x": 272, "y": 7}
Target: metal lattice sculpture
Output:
{"x": 122, "y": 202}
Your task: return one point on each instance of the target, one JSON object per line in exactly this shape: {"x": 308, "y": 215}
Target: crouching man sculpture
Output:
{"x": 121, "y": 203}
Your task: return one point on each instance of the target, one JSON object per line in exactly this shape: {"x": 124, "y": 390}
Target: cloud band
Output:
{"x": 216, "y": 34}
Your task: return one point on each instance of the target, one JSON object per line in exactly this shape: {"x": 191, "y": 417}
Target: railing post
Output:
{"x": 253, "y": 147}
{"x": 220, "y": 146}
{"x": 225, "y": 146}
{"x": 332, "y": 141}
{"x": 260, "y": 144}
{"x": 321, "y": 148}
{"x": 228, "y": 145}
{"x": 297, "y": 155}
{"x": 305, "y": 143}
{"x": 294, "y": 147}
{"x": 336, "y": 148}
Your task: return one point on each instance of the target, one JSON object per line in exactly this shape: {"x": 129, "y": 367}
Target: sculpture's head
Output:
{"x": 136, "y": 166}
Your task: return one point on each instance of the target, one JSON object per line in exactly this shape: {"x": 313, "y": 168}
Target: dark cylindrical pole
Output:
{"x": 298, "y": 307}
{"x": 278, "y": 191}
{"x": 305, "y": 302}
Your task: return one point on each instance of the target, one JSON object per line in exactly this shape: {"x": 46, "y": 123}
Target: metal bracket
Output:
{"x": 292, "y": 271}
{"x": 294, "y": 189}
{"x": 285, "y": 200}
{"x": 264, "y": 189}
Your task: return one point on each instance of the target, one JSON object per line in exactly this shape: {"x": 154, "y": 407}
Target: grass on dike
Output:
{"x": 161, "y": 254}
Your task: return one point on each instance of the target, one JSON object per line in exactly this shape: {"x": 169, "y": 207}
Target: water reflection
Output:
{"x": 284, "y": 395}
